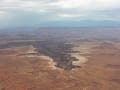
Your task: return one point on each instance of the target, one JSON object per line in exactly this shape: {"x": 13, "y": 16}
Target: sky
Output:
{"x": 61, "y": 13}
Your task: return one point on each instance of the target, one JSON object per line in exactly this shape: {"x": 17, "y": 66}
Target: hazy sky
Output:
{"x": 17, "y": 13}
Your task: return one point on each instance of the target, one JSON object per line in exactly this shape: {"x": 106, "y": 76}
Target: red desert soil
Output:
{"x": 17, "y": 72}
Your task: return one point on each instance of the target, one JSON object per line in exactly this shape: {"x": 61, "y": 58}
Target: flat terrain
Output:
{"x": 33, "y": 61}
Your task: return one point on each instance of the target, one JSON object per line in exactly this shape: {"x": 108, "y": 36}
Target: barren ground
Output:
{"x": 21, "y": 71}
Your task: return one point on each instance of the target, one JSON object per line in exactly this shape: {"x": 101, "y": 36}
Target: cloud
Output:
{"x": 87, "y": 4}
{"x": 4, "y": 14}
{"x": 69, "y": 15}
{"x": 39, "y": 11}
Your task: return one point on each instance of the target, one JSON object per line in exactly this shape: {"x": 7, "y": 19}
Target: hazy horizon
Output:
{"x": 59, "y": 13}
